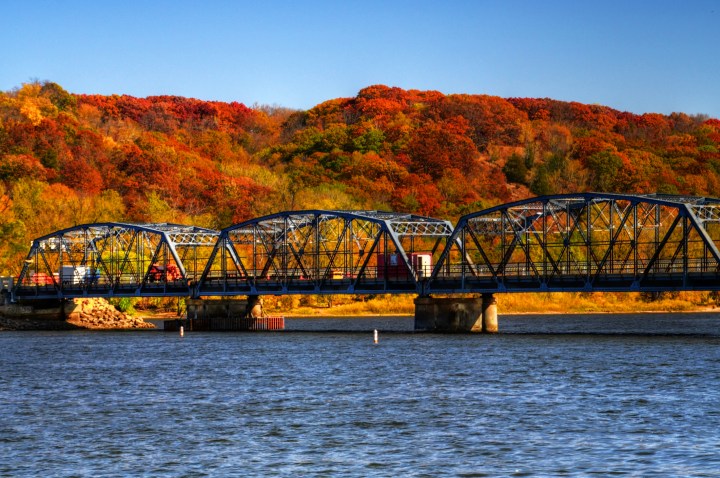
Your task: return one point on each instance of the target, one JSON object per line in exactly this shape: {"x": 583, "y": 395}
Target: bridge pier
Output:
{"x": 434, "y": 314}
{"x": 489, "y": 314}
{"x": 226, "y": 315}
{"x": 254, "y": 306}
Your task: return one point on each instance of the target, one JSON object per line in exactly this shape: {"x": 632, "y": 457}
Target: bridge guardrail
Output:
{"x": 522, "y": 269}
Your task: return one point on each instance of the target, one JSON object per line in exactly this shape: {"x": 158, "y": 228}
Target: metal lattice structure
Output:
{"x": 325, "y": 252}
{"x": 585, "y": 242}
{"x": 116, "y": 259}
{"x": 572, "y": 242}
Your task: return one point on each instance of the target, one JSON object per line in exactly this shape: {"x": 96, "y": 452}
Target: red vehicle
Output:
{"x": 159, "y": 272}
{"x": 41, "y": 278}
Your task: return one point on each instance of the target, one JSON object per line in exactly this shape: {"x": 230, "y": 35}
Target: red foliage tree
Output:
{"x": 17, "y": 166}
{"x": 80, "y": 175}
{"x": 490, "y": 119}
{"x": 439, "y": 146}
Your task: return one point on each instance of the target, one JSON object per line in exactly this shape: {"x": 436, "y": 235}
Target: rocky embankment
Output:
{"x": 99, "y": 314}
{"x": 79, "y": 314}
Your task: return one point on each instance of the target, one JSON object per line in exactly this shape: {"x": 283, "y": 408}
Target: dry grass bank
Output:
{"x": 537, "y": 303}
{"x": 341, "y": 305}
{"x": 578, "y": 302}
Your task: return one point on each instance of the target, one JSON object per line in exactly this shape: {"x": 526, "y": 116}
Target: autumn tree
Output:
{"x": 515, "y": 169}
{"x": 438, "y": 146}
{"x": 67, "y": 158}
{"x": 611, "y": 172}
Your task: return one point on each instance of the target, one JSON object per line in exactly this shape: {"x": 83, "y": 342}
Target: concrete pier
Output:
{"x": 478, "y": 315}
{"x": 254, "y": 306}
{"x": 489, "y": 314}
{"x": 201, "y": 308}
{"x": 226, "y": 315}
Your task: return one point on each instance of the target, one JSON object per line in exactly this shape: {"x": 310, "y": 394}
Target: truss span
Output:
{"x": 323, "y": 252}
{"x": 585, "y": 242}
{"x": 116, "y": 259}
{"x": 572, "y": 242}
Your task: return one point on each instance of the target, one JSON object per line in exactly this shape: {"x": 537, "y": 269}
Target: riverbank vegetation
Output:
{"x": 388, "y": 304}
{"x": 69, "y": 159}
{"x": 536, "y": 303}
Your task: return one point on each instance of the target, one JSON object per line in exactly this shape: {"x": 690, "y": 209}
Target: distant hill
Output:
{"x": 68, "y": 159}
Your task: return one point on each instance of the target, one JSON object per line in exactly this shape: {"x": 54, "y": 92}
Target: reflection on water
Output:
{"x": 556, "y": 395}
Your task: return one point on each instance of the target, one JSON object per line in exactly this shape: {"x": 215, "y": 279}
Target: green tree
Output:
{"x": 62, "y": 100}
{"x": 515, "y": 169}
{"x": 371, "y": 140}
{"x": 541, "y": 184}
{"x": 604, "y": 169}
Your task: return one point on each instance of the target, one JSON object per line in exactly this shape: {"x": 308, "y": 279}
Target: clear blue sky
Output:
{"x": 640, "y": 56}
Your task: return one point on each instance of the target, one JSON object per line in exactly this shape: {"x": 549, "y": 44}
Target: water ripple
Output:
{"x": 334, "y": 404}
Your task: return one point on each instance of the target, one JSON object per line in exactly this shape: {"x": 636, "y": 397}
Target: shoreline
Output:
{"x": 97, "y": 315}
{"x": 500, "y": 313}
{"x": 8, "y": 324}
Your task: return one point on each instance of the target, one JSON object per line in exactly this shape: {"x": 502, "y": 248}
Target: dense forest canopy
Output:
{"x": 68, "y": 159}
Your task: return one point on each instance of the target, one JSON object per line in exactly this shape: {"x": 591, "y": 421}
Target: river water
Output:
{"x": 624, "y": 395}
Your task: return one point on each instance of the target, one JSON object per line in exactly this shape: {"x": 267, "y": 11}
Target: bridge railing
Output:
{"x": 125, "y": 285}
{"x": 659, "y": 267}
{"x": 372, "y": 279}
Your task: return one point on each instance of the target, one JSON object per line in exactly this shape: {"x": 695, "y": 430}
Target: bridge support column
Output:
{"x": 448, "y": 314}
{"x": 489, "y": 314}
{"x": 204, "y": 309}
{"x": 456, "y": 314}
{"x": 200, "y": 309}
{"x": 254, "y": 306}
{"x": 226, "y": 314}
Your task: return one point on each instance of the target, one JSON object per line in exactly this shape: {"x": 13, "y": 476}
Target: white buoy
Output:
{"x": 182, "y": 331}
{"x": 375, "y": 336}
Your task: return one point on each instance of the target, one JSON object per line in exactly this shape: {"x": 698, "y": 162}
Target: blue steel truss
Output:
{"x": 571, "y": 242}
{"x": 584, "y": 242}
{"x": 325, "y": 252}
{"x": 115, "y": 259}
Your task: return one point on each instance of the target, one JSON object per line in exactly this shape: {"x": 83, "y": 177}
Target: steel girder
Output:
{"x": 585, "y": 242}
{"x": 115, "y": 259}
{"x": 324, "y": 252}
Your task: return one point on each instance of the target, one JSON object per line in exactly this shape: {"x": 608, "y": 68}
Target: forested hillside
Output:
{"x": 69, "y": 159}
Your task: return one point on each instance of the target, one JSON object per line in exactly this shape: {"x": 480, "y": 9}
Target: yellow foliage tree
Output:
{"x": 32, "y": 105}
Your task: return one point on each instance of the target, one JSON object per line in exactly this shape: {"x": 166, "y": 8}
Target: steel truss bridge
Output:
{"x": 573, "y": 242}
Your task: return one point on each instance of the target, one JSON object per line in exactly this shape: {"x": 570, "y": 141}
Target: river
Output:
{"x": 576, "y": 395}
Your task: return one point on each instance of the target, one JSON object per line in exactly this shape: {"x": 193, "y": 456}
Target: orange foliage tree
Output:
{"x": 66, "y": 158}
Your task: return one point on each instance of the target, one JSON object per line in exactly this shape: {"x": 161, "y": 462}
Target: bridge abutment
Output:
{"x": 434, "y": 314}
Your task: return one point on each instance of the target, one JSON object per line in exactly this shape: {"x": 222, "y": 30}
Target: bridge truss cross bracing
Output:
{"x": 574, "y": 242}
{"x": 116, "y": 260}
{"x": 325, "y": 252}
{"x": 585, "y": 242}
